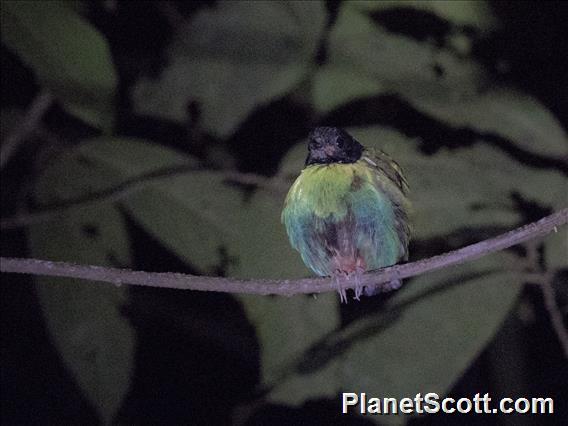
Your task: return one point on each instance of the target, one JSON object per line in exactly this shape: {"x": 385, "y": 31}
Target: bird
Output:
{"x": 348, "y": 211}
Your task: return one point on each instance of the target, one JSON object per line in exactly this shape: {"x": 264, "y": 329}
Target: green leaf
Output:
{"x": 201, "y": 216}
{"x": 181, "y": 210}
{"x": 286, "y": 328}
{"x": 196, "y": 216}
{"x": 334, "y": 86}
{"x": 233, "y": 58}
{"x": 95, "y": 341}
{"x": 507, "y": 113}
{"x": 365, "y": 60}
{"x": 67, "y": 54}
{"x": 430, "y": 332}
{"x": 198, "y": 213}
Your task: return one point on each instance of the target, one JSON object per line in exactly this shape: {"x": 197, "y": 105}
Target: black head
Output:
{"x": 332, "y": 145}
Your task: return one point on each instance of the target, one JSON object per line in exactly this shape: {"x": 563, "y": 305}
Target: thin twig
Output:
{"x": 29, "y": 124}
{"x": 555, "y": 315}
{"x": 544, "y": 280}
{"x": 131, "y": 185}
{"x": 284, "y": 287}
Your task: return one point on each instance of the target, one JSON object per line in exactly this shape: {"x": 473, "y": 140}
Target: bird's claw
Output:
{"x": 338, "y": 274}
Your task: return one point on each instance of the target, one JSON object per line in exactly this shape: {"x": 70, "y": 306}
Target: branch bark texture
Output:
{"x": 284, "y": 287}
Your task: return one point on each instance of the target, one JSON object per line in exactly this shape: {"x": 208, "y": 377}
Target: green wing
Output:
{"x": 390, "y": 178}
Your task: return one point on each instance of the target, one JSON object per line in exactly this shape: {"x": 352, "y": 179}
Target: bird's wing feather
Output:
{"x": 383, "y": 163}
{"x": 393, "y": 183}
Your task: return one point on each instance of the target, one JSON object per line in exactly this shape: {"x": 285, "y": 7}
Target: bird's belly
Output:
{"x": 356, "y": 242}
{"x": 341, "y": 222}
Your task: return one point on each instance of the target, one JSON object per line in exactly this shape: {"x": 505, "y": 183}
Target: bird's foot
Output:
{"x": 359, "y": 288}
{"x": 338, "y": 276}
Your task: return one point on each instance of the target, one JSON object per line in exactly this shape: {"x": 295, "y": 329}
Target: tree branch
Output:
{"x": 31, "y": 121}
{"x": 554, "y": 313}
{"x": 284, "y": 287}
{"x": 544, "y": 280}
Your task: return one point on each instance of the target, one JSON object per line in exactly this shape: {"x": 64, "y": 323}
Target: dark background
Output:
{"x": 524, "y": 359}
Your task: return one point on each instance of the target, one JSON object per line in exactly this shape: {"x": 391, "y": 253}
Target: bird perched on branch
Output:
{"x": 347, "y": 212}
